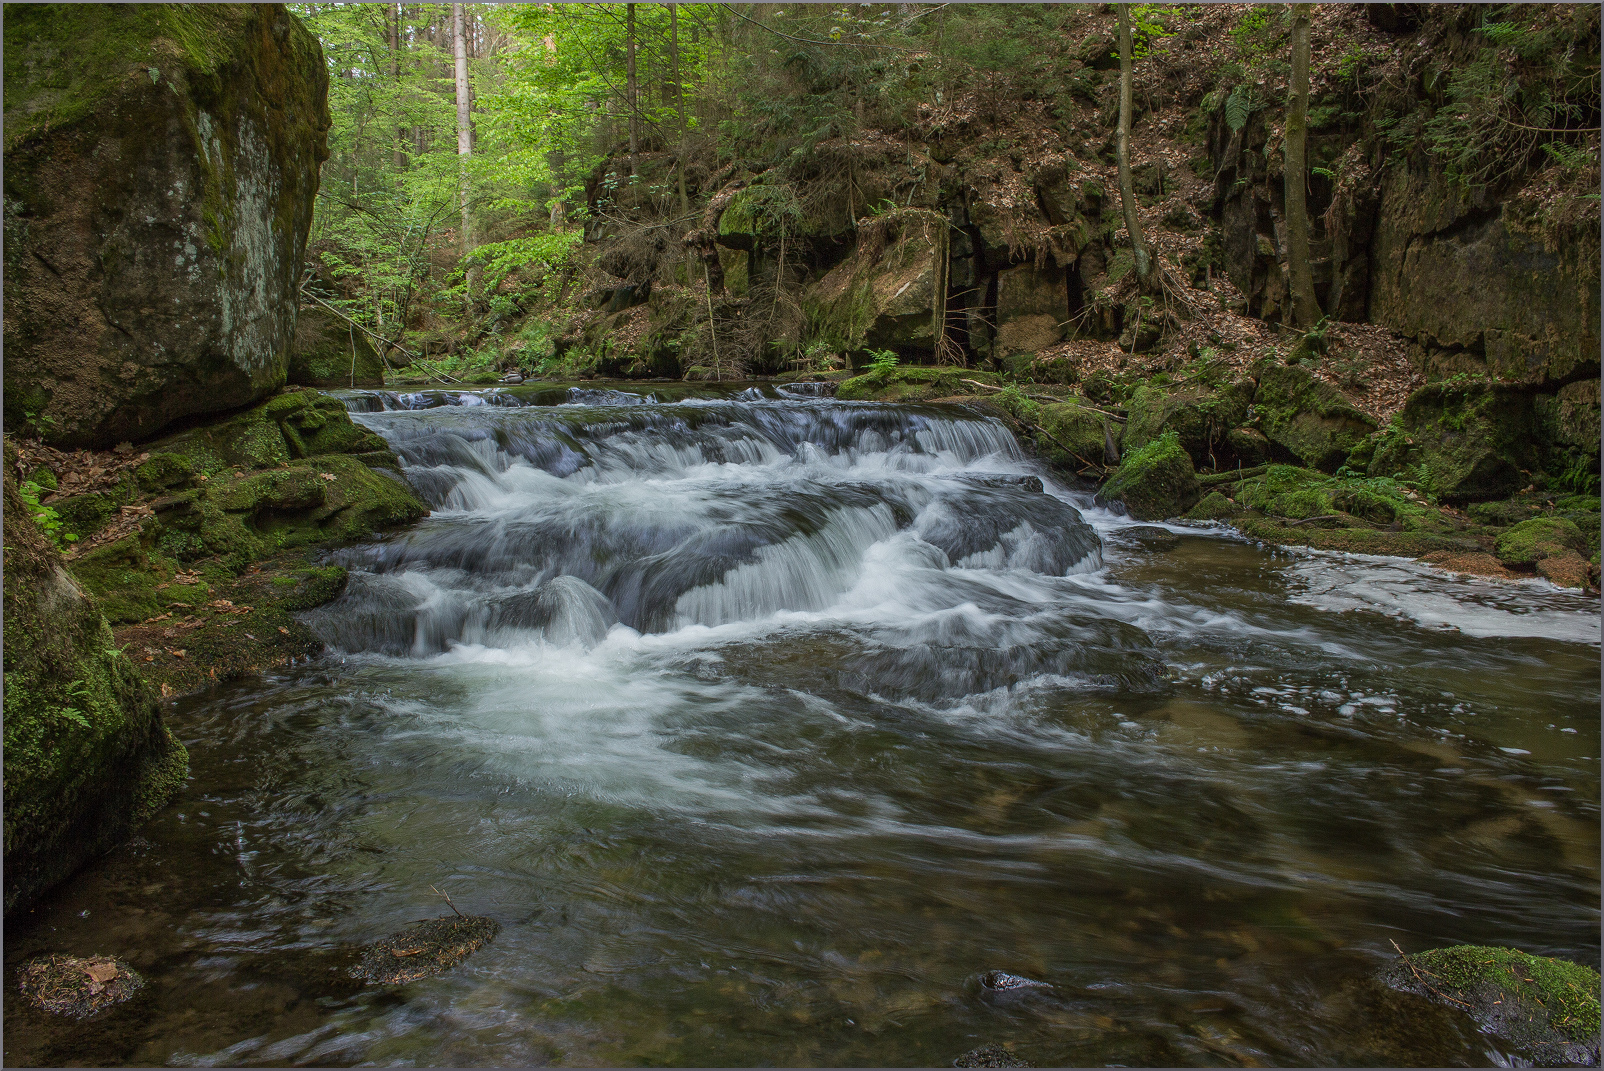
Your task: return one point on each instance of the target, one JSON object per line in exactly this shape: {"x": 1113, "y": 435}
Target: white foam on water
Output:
{"x": 1406, "y": 590}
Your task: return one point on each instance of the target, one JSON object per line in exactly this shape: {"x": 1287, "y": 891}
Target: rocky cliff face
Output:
{"x": 161, "y": 165}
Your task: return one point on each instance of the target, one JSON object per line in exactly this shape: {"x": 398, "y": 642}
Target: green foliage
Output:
{"x": 45, "y": 516}
{"x": 1146, "y": 27}
{"x": 882, "y": 362}
{"x": 1504, "y": 107}
{"x": 1240, "y": 106}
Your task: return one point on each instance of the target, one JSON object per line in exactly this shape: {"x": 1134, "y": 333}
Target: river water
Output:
{"x": 780, "y": 730}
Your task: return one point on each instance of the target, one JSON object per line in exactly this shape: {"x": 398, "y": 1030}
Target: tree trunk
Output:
{"x": 399, "y": 155}
{"x": 1305, "y": 306}
{"x": 679, "y": 101}
{"x": 464, "y": 138}
{"x": 630, "y": 90}
{"x": 1145, "y": 275}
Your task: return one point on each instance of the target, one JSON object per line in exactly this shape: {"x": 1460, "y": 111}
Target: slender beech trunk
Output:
{"x": 1305, "y": 306}
{"x": 399, "y": 154}
{"x": 464, "y": 137}
{"x": 679, "y": 101}
{"x": 1145, "y": 275}
{"x": 630, "y": 90}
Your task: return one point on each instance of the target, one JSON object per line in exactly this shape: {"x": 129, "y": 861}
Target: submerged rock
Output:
{"x": 990, "y": 1056}
{"x": 1547, "y": 1008}
{"x": 161, "y": 166}
{"x": 78, "y": 988}
{"x": 87, "y": 757}
{"x": 424, "y": 948}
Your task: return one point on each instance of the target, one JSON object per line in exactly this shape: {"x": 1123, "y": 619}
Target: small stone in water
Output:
{"x": 424, "y": 948}
{"x": 68, "y": 985}
{"x": 989, "y": 1056}
{"x": 1004, "y": 980}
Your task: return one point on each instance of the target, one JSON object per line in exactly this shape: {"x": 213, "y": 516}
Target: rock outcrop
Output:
{"x": 328, "y": 352}
{"x": 161, "y": 166}
{"x": 87, "y": 757}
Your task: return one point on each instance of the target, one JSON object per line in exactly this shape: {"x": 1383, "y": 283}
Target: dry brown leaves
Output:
{"x": 77, "y": 987}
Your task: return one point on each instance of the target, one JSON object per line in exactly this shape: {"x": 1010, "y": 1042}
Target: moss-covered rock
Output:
{"x": 1084, "y": 432}
{"x": 1155, "y": 482}
{"x": 1214, "y": 507}
{"x": 161, "y": 168}
{"x": 1548, "y": 1008}
{"x": 1307, "y": 418}
{"x": 87, "y": 757}
{"x": 296, "y": 424}
{"x": 911, "y": 383}
{"x": 1201, "y": 414}
{"x": 293, "y": 472}
{"x": 1465, "y": 442}
{"x": 890, "y": 293}
{"x": 328, "y": 352}
{"x": 1529, "y": 542}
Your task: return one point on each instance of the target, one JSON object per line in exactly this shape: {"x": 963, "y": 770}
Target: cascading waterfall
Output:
{"x": 774, "y": 729}
{"x": 554, "y": 523}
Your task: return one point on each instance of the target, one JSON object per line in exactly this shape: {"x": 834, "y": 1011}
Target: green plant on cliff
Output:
{"x": 45, "y": 516}
{"x": 1535, "y": 82}
{"x": 882, "y": 362}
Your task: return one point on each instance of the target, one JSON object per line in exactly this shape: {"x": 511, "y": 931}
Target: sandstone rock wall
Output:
{"x": 161, "y": 165}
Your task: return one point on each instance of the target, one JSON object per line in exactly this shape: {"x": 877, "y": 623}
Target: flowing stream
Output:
{"x": 781, "y": 730}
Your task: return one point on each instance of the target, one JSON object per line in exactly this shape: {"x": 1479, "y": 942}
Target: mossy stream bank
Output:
{"x": 1285, "y": 459}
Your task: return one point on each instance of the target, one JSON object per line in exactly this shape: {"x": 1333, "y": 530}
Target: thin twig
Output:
{"x": 449, "y": 904}
{"x": 388, "y": 344}
{"x": 1046, "y": 398}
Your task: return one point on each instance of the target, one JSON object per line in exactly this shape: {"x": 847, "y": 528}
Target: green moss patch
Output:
{"x": 912, "y": 383}
{"x": 1155, "y": 482}
{"x": 1529, "y": 542}
{"x": 1547, "y": 1007}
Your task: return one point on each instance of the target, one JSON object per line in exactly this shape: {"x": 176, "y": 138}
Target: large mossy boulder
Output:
{"x": 161, "y": 162}
{"x": 1307, "y": 418}
{"x": 1088, "y": 435}
{"x": 891, "y": 292}
{"x": 1202, "y": 415}
{"x": 1155, "y": 482}
{"x": 87, "y": 757}
{"x": 329, "y": 352}
{"x": 1546, "y": 1008}
{"x": 1469, "y": 443}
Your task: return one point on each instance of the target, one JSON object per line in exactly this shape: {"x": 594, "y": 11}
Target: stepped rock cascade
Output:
{"x": 553, "y": 523}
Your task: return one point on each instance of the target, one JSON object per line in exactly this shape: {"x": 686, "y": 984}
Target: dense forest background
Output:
{"x": 489, "y": 178}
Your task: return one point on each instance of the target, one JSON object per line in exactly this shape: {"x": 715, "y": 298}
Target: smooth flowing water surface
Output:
{"x": 780, "y": 730}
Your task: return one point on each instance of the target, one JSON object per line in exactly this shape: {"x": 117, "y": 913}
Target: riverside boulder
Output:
{"x": 87, "y": 757}
{"x": 161, "y": 165}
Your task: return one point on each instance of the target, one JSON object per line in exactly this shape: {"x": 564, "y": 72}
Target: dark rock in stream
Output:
{"x": 424, "y": 948}
{"x": 1150, "y": 537}
{"x": 990, "y": 1056}
{"x": 161, "y": 166}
